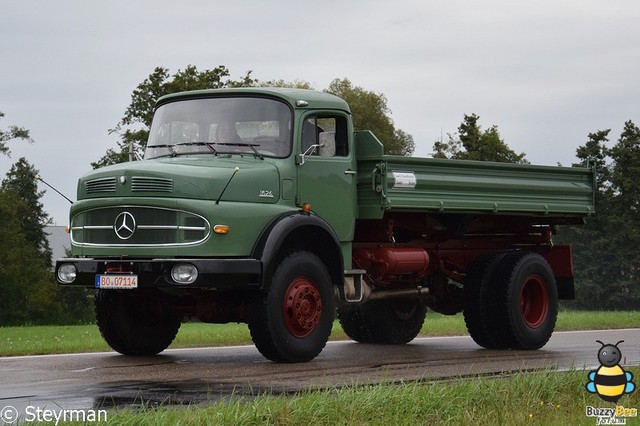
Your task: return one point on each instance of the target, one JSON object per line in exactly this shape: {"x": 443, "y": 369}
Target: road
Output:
{"x": 180, "y": 376}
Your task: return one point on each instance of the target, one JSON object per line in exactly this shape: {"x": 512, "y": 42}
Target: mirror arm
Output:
{"x": 305, "y": 155}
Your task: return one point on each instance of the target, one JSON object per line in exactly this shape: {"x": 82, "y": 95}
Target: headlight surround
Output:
{"x": 184, "y": 273}
{"x": 67, "y": 273}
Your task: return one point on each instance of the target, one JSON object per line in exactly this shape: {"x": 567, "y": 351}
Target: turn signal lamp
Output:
{"x": 306, "y": 207}
{"x": 221, "y": 229}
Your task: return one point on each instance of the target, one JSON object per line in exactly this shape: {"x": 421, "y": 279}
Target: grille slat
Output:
{"x": 146, "y": 184}
{"x": 152, "y": 226}
{"x": 101, "y": 185}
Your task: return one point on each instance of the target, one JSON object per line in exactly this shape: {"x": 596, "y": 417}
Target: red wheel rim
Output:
{"x": 534, "y": 301}
{"x": 302, "y": 307}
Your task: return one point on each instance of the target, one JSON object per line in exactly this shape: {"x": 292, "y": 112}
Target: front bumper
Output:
{"x": 156, "y": 273}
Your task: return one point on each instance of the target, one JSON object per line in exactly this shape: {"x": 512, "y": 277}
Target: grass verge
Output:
{"x": 546, "y": 398}
{"x": 36, "y": 340}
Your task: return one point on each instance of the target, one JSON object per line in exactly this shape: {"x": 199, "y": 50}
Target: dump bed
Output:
{"x": 396, "y": 183}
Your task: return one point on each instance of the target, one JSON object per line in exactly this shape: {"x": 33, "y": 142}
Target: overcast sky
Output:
{"x": 545, "y": 72}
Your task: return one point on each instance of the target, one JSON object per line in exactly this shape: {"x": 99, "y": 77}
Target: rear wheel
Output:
{"x": 391, "y": 321}
{"x": 528, "y": 300}
{"x": 479, "y": 305}
{"x": 133, "y": 323}
{"x": 293, "y": 319}
{"x": 511, "y": 301}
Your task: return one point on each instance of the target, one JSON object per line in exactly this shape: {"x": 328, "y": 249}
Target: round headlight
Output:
{"x": 184, "y": 273}
{"x": 67, "y": 273}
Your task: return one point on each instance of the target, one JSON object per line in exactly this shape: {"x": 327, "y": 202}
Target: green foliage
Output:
{"x": 13, "y": 132}
{"x": 472, "y": 143}
{"x": 297, "y": 84}
{"x": 607, "y": 260}
{"x": 370, "y": 112}
{"x": 26, "y": 288}
{"x": 28, "y": 293}
{"x": 21, "y": 181}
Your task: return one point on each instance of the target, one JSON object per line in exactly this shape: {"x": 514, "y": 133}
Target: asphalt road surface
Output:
{"x": 181, "y": 376}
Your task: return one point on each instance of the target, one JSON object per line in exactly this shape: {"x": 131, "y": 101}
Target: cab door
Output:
{"x": 327, "y": 170}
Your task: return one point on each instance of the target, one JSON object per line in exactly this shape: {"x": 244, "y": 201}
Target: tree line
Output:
{"x": 28, "y": 293}
{"x": 606, "y": 259}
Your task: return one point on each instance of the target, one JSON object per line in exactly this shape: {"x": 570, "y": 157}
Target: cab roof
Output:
{"x": 297, "y": 98}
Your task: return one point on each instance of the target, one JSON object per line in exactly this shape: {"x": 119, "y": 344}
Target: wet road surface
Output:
{"x": 184, "y": 376}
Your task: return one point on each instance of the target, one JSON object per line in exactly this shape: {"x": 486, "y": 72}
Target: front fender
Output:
{"x": 298, "y": 231}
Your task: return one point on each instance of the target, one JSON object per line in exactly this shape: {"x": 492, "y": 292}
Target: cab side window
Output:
{"x": 328, "y": 132}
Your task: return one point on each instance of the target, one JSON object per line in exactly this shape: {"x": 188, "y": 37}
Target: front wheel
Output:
{"x": 292, "y": 320}
{"x": 134, "y": 323}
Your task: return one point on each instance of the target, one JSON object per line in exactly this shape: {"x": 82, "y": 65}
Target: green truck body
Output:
{"x": 265, "y": 206}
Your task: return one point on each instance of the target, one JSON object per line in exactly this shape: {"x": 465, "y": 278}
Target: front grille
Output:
{"x": 138, "y": 226}
{"x": 101, "y": 185}
{"x": 147, "y": 184}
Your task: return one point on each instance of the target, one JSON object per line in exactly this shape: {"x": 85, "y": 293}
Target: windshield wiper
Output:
{"x": 169, "y": 147}
{"x": 174, "y": 153}
{"x": 207, "y": 144}
{"x": 250, "y": 145}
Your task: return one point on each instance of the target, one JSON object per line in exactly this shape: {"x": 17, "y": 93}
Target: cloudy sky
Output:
{"x": 546, "y": 72}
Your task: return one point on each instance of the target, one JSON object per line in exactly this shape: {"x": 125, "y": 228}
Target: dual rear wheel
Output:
{"x": 510, "y": 301}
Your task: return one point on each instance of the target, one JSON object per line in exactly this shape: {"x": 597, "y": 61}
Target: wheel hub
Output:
{"x": 534, "y": 301}
{"x": 302, "y": 307}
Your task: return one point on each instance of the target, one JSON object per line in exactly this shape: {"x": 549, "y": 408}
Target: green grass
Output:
{"x": 546, "y": 398}
{"x": 32, "y": 340}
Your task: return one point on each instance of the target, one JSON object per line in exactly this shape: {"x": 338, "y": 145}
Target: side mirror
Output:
{"x": 326, "y": 147}
{"x": 302, "y": 158}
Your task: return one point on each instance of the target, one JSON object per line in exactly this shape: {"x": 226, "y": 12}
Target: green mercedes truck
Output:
{"x": 264, "y": 206}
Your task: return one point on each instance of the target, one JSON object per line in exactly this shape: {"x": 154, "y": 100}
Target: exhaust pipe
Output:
{"x": 356, "y": 290}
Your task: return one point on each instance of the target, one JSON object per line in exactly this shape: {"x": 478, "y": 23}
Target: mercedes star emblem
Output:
{"x": 124, "y": 225}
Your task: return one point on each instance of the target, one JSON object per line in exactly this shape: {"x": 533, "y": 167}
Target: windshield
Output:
{"x": 241, "y": 125}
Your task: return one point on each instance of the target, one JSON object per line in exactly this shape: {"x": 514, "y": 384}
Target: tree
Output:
{"x": 472, "y": 143}
{"x": 133, "y": 128}
{"x": 26, "y": 291}
{"x": 21, "y": 183}
{"x": 625, "y": 171}
{"x": 370, "y": 112}
{"x": 607, "y": 262}
{"x": 14, "y": 132}
{"x": 297, "y": 84}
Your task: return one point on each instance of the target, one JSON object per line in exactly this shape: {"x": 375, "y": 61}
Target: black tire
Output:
{"x": 293, "y": 320}
{"x": 479, "y": 312}
{"x": 134, "y": 324}
{"x": 391, "y": 321}
{"x": 527, "y": 300}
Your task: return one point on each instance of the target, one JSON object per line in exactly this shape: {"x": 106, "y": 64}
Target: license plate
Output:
{"x": 117, "y": 281}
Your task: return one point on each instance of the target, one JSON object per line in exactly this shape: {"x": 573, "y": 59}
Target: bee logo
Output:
{"x": 610, "y": 381}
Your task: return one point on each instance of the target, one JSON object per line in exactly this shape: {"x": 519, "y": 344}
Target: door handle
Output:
{"x": 350, "y": 172}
